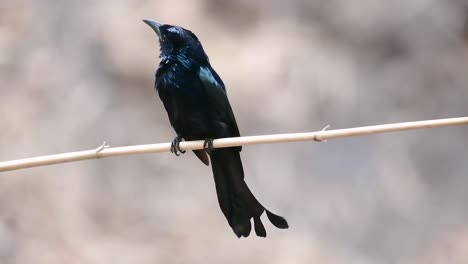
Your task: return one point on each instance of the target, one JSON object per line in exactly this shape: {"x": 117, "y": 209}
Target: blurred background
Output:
{"x": 76, "y": 73}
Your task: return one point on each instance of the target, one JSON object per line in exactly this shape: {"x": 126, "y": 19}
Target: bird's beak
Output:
{"x": 155, "y": 25}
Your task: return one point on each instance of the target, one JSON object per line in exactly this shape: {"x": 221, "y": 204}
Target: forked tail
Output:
{"x": 236, "y": 200}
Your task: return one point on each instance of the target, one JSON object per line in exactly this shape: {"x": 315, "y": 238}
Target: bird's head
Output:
{"x": 175, "y": 40}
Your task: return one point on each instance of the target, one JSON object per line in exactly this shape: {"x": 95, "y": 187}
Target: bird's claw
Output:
{"x": 208, "y": 145}
{"x": 175, "y": 146}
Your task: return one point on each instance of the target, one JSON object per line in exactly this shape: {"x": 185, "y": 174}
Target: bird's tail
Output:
{"x": 237, "y": 202}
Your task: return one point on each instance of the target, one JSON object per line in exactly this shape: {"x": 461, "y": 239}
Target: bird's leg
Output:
{"x": 208, "y": 145}
{"x": 175, "y": 146}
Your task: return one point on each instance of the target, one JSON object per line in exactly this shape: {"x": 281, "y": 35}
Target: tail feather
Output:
{"x": 236, "y": 200}
{"x": 259, "y": 228}
{"x": 277, "y": 220}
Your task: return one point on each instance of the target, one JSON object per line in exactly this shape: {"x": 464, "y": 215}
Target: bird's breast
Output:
{"x": 190, "y": 110}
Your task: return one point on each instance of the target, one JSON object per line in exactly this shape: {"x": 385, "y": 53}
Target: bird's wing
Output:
{"x": 214, "y": 88}
{"x": 209, "y": 77}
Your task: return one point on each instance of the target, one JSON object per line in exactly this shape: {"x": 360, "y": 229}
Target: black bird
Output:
{"x": 198, "y": 108}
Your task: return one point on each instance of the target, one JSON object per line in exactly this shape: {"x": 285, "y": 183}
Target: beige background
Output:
{"x": 76, "y": 73}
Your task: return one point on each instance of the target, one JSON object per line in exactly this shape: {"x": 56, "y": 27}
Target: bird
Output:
{"x": 198, "y": 108}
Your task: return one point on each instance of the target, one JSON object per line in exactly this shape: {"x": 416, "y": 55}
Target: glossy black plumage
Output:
{"x": 198, "y": 108}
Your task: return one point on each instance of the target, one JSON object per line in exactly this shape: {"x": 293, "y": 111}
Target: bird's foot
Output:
{"x": 208, "y": 145}
{"x": 175, "y": 146}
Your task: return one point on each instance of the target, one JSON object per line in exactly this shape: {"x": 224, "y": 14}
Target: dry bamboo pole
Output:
{"x": 105, "y": 151}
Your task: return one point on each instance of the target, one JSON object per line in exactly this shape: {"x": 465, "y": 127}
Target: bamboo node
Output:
{"x": 101, "y": 147}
